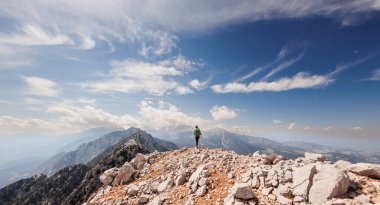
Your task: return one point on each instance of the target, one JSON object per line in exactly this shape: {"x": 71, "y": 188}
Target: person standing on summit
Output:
{"x": 197, "y": 134}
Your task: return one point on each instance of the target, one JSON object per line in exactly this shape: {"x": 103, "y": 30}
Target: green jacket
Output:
{"x": 197, "y": 132}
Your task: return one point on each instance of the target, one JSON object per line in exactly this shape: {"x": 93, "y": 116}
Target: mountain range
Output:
{"x": 74, "y": 184}
{"x": 243, "y": 144}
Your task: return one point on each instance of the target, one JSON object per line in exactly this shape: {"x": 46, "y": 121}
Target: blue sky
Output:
{"x": 300, "y": 70}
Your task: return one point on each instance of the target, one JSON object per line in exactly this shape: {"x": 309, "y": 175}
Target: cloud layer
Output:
{"x": 131, "y": 76}
{"x": 301, "y": 80}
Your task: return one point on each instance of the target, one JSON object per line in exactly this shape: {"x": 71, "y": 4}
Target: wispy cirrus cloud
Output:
{"x": 301, "y": 80}
{"x": 280, "y": 63}
{"x": 282, "y": 66}
{"x": 375, "y": 75}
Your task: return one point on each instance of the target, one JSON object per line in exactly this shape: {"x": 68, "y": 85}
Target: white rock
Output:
{"x": 124, "y": 174}
{"x": 139, "y": 161}
{"x": 343, "y": 164}
{"x": 267, "y": 191}
{"x": 132, "y": 190}
{"x": 143, "y": 199}
{"x": 302, "y": 180}
{"x": 107, "y": 177}
{"x": 366, "y": 169}
{"x": 363, "y": 199}
{"x": 329, "y": 182}
{"x": 229, "y": 200}
{"x": 288, "y": 176}
{"x": 315, "y": 156}
{"x": 165, "y": 185}
{"x": 283, "y": 200}
{"x": 255, "y": 183}
{"x": 201, "y": 191}
{"x": 298, "y": 199}
{"x": 242, "y": 191}
{"x": 283, "y": 190}
{"x": 194, "y": 178}
{"x": 202, "y": 181}
{"x": 231, "y": 175}
{"x": 181, "y": 179}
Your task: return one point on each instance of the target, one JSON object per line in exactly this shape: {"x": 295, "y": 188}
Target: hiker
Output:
{"x": 197, "y": 134}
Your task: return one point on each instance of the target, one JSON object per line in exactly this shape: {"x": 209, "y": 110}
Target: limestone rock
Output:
{"x": 201, "y": 191}
{"x": 267, "y": 191}
{"x": 143, "y": 199}
{"x": 181, "y": 179}
{"x": 242, "y": 191}
{"x": 124, "y": 174}
{"x": 366, "y": 169}
{"x": 329, "y": 182}
{"x": 302, "y": 180}
{"x": 139, "y": 161}
{"x": 363, "y": 199}
{"x": 107, "y": 177}
{"x": 165, "y": 185}
{"x": 343, "y": 164}
{"x": 315, "y": 156}
{"x": 283, "y": 200}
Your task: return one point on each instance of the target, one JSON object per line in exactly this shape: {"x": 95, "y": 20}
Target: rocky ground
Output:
{"x": 214, "y": 176}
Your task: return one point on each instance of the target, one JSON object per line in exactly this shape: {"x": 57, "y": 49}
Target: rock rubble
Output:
{"x": 214, "y": 176}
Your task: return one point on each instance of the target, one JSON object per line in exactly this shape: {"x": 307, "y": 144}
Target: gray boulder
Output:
{"x": 107, "y": 177}
{"x": 328, "y": 183}
{"x": 124, "y": 175}
{"x": 242, "y": 191}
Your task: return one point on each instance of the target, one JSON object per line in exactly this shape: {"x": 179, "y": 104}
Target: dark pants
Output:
{"x": 197, "y": 139}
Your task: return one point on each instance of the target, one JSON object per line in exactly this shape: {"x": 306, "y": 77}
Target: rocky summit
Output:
{"x": 215, "y": 176}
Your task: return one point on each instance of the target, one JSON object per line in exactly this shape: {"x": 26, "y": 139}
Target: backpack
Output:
{"x": 197, "y": 132}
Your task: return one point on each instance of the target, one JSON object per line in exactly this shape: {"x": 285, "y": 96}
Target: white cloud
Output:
{"x": 291, "y": 126}
{"x": 299, "y": 81}
{"x": 157, "y": 43}
{"x": 87, "y": 42}
{"x": 75, "y": 116}
{"x": 34, "y": 35}
{"x": 198, "y": 84}
{"x": 328, "y": 128}
{"x": 307, "y": 127}
{"x": 276, "y": 121}
{"x": 222, "y": 113}
{"x": 130, "y": 76}
{"x": 33, "y": 101}
{"x": 183, "y": 90}
{"x": 356, "y": 128}
{"x": 150, "y": 26}
{"x": 41, "y": 86}
{"x": 251, "y": 74}
{"x": 183, "y": 63}
{"x": 282, "y": 66}
{"x": 168, "y": 117}
{"x": 375, "y": 75}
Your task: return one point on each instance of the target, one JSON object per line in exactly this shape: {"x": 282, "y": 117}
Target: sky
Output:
{"x": 285, "y": 70}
